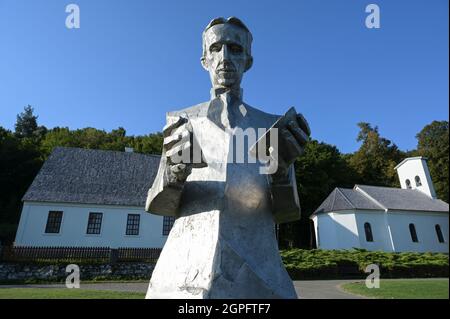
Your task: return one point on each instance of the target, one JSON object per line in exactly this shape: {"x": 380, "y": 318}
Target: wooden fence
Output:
{"x": 136, "y": 254}
{"x": 103, "y": 254}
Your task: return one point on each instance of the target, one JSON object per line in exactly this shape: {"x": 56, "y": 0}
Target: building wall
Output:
{"x": 336, "y": 230}
{"x": 345, "y": 230}
{"x": 380, "y": 230}
{"x": 31, "y": 230}
{"x": 425, "y": 229}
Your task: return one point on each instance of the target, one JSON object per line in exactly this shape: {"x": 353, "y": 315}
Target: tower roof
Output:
{"x": 409, "y": 159}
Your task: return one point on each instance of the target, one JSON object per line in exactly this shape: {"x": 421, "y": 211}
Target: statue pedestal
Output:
{"x": 200, "y": 260}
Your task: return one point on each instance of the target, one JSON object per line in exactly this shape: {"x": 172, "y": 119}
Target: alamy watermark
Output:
{"x": 73, "y": 279}
{"x": 263, "y": 147}
{"x": 373, "y": 19}
{"x": 73, "y": 19}
{"x": 373, "y": 279}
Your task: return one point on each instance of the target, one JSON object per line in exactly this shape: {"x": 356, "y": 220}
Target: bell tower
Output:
{"x": 414, "y": 174}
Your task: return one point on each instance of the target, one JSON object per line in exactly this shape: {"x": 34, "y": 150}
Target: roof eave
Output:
{"x": 409, "y": 158}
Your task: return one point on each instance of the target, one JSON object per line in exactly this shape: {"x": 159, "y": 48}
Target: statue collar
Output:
{"x": 235, "y": 93}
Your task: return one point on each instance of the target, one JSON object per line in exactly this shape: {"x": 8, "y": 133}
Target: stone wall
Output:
{"x": 35, "y": 272}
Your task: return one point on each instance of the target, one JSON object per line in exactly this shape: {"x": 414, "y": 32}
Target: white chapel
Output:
{"x": 409, "y": 218}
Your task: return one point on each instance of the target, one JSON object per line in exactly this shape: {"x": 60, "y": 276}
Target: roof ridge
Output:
{"x": 101, "y": 150}
{"x": 384, "y": 187}
{"x": 345, "y": 197}
{"x": 333, "y": 193}
{"x": 357, "y": 188}
{"x": 363, "y": 185}
{"x": 334, "y": 198}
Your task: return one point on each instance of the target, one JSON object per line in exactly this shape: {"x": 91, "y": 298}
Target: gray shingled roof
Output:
{"x": 380, "y": 198}
{"x": 75, "y": 175}
{"x": 346, "y": 199}
{"x": 404, "y": 199}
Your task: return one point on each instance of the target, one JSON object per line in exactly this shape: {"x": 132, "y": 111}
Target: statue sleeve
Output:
{"x": 285, "y": 201}
{"x": 164, "y": 198}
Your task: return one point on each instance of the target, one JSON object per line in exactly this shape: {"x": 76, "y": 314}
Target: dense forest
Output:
{"x": 319, "y": 170}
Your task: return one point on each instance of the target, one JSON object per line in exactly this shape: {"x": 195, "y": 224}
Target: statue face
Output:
{"x": 226, "y": 56}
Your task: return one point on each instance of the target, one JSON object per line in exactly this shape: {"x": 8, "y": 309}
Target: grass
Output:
{"x": 402, "y": 289}
{"x": 64, "y": 293}
{"x": 96, "y": 280}
{"x": 389, "y": 289}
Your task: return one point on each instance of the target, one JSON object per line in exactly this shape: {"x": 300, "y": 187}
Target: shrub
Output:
{"x": 321, "y": 264}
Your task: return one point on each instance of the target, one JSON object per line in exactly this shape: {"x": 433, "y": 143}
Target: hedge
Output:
{"x": 337, "y": 264}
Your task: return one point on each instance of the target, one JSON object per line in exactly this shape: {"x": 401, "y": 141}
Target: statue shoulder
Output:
{"x": 267, "y": 118}
{"x": 191, "y": 111}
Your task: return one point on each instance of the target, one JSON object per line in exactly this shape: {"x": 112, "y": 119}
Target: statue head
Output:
{"x": 226, "y": 52}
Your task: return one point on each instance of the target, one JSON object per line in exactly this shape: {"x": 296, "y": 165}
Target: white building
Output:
{"x": 409, "y": 218}
{"x": 92, "y": 198}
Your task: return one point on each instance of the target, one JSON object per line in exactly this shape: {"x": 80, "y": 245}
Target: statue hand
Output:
{"x": 178, "y": 141}
{"x": 294, "y": 134}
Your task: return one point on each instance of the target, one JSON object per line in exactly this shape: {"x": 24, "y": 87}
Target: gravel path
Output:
{"x": 323, "y": 289}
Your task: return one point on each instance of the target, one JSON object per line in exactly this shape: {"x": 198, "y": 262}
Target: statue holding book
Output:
{"x": 226, "y": 174}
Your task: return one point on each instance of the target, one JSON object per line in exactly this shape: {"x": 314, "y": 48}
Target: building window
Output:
{"x": 94, "y": 223}
{"x": 133, "y": 224}
{"x": 53, "y": 222}
{"x": 368, "y": 231}
{"x": 412, "y": 231}
{"x": 167, "y": 224}
{"x": 439, "y": 233}
{"x": 408, "y": 184}
{"x": 418, "y": 182}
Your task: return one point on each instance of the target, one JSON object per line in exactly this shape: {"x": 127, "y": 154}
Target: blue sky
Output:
{"x": 133, "y": 60}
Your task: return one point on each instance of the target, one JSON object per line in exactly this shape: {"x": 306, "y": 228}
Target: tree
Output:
{"x": 26, "y": 123}
{"x": 93, "y": 138}
{"x": 27, "y": 126}
{"x": 376, "y": 159}
{"x": 318, "y": 171}
{"x": 19, "y": 162}
{"x": 433, "y": 144}
{"x": 148, "y": 144}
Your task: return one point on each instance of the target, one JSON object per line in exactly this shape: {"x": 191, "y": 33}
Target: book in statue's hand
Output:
{"x": 266, "y": 145}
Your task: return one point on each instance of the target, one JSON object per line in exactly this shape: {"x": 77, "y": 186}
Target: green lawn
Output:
{"x": 402, "y": 289}
{"x": 64, "y": 293}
